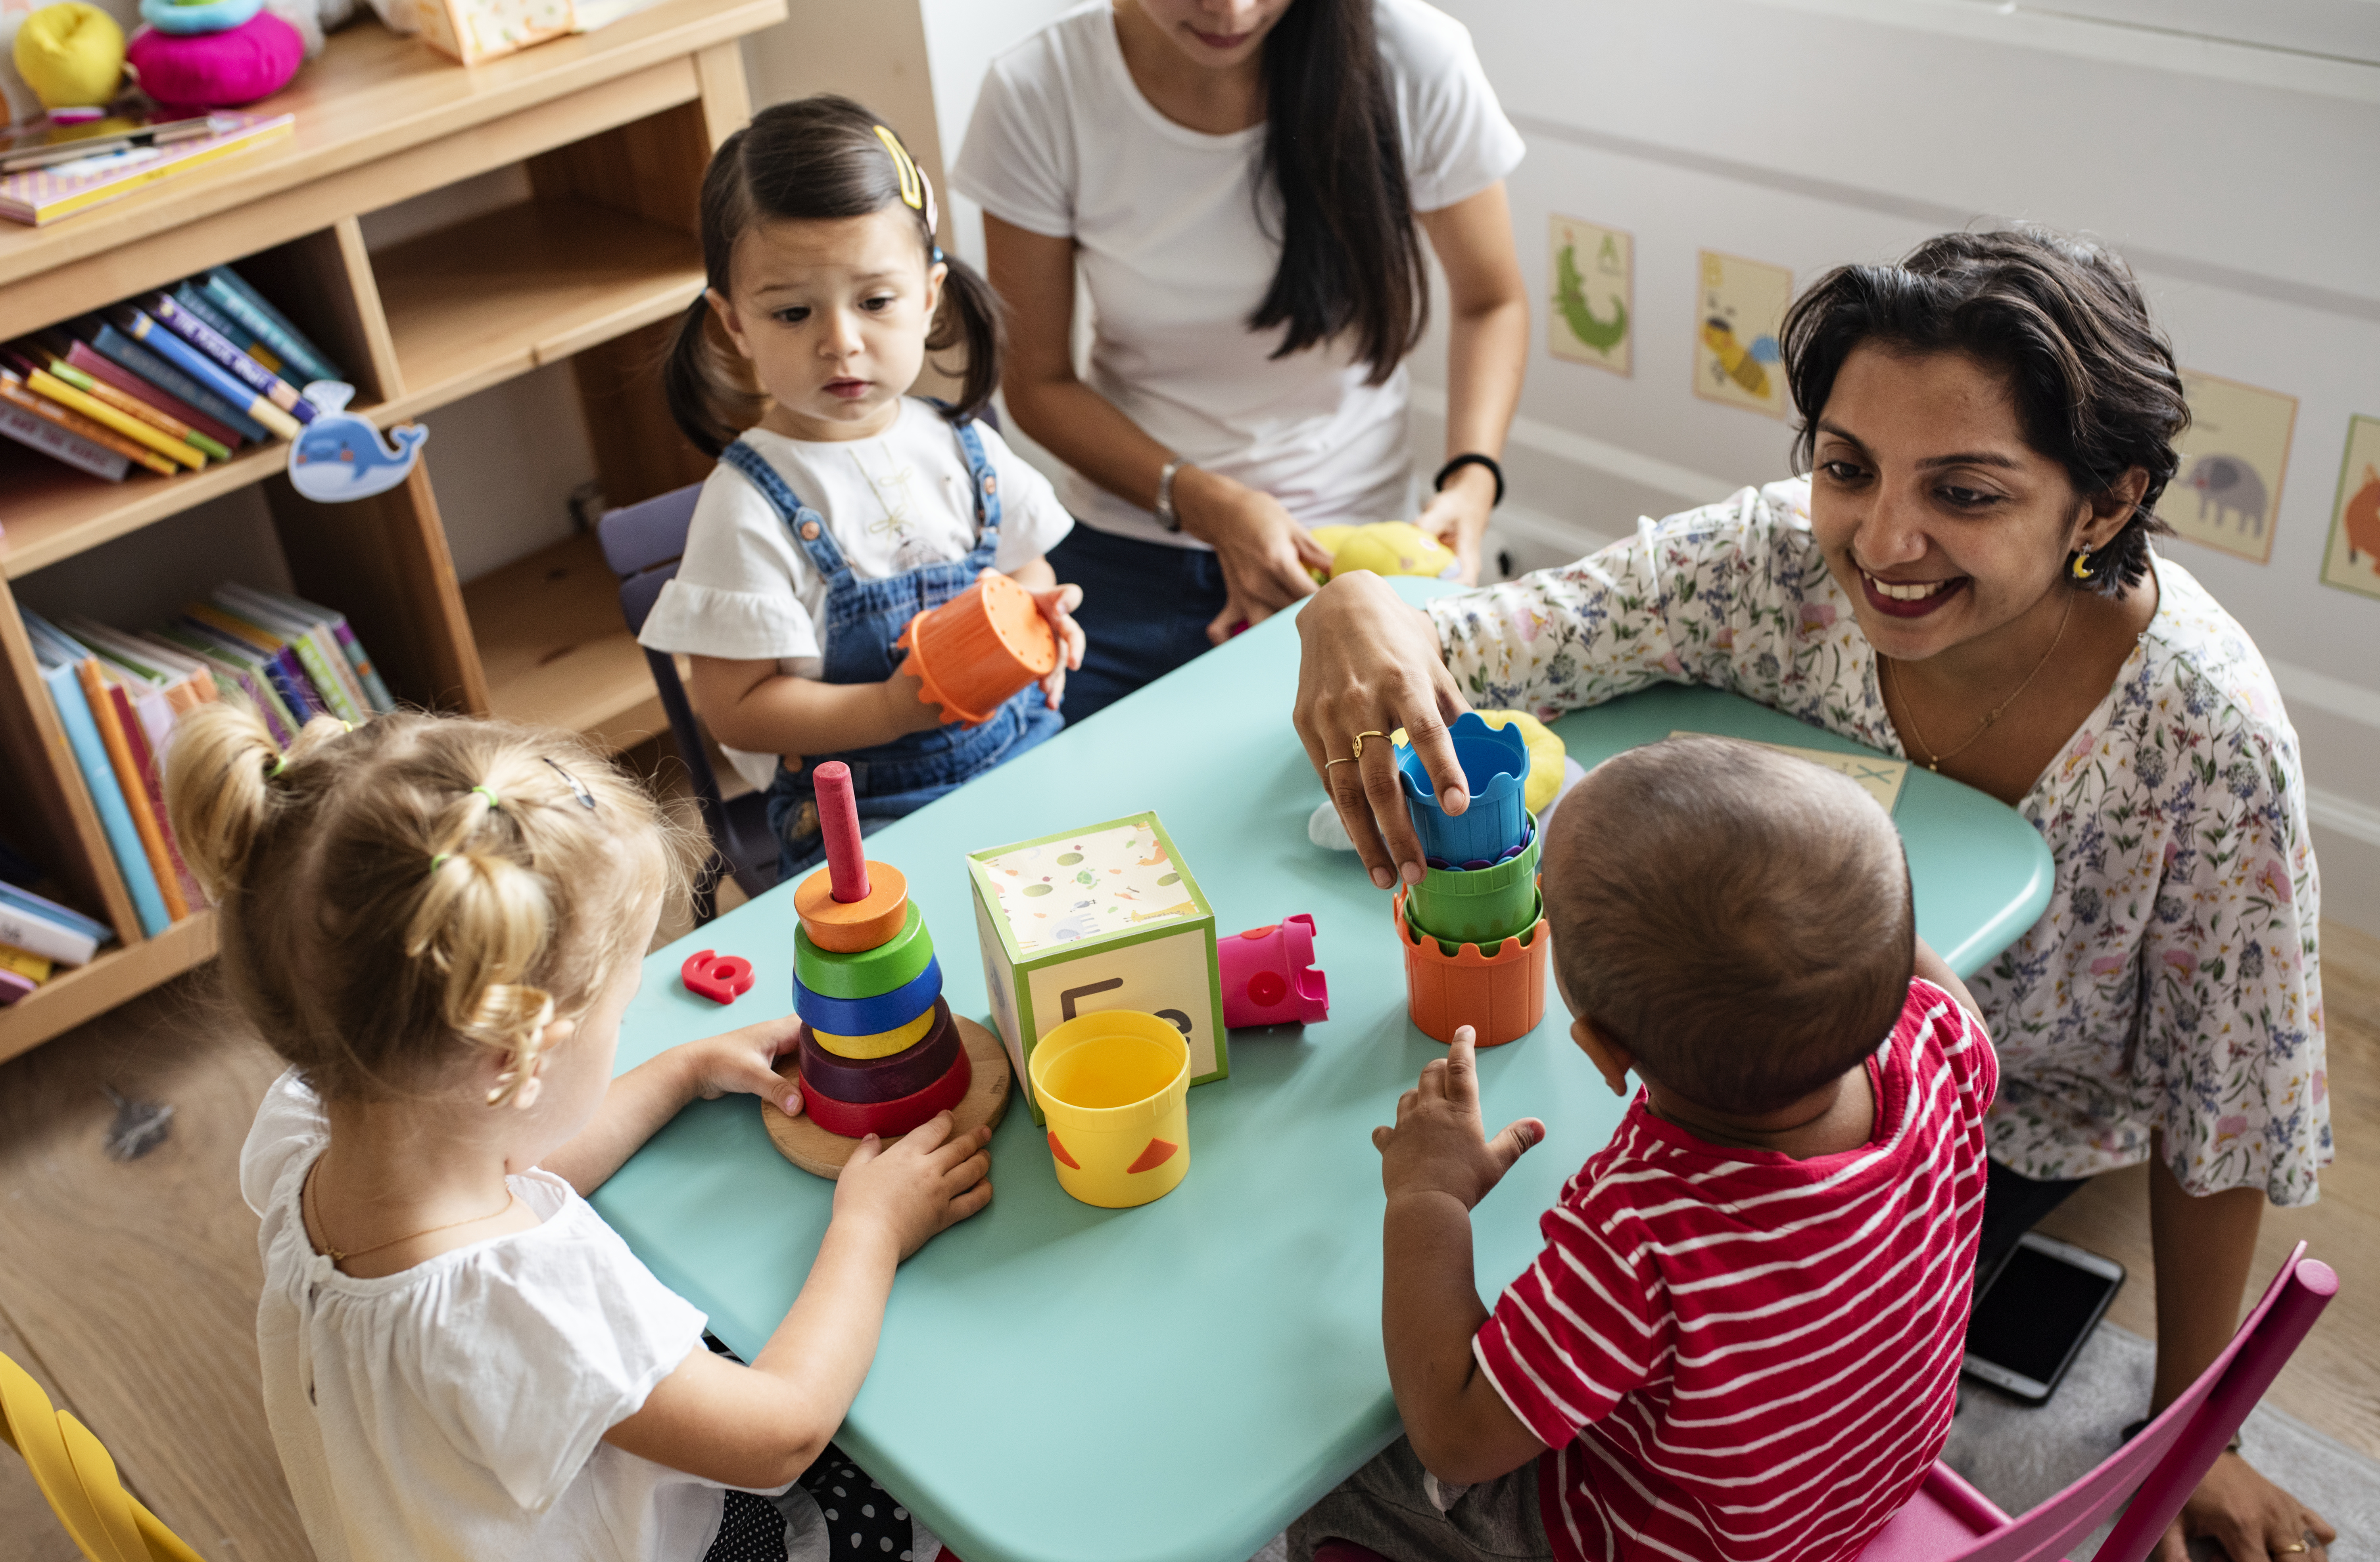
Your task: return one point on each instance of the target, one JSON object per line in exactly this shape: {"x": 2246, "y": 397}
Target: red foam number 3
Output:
{"x": 723, "y": 979}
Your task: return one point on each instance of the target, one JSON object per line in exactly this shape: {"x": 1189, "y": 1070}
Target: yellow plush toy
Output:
{"x": 1386, "y": 548}
{"x": 72, "y": 56}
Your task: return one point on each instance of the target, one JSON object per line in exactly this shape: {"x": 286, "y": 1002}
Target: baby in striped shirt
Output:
{"x": 1741, "y": 1339}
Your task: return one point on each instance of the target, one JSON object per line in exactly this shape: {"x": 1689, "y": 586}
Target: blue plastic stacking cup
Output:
{"x": 1494, "y": 771}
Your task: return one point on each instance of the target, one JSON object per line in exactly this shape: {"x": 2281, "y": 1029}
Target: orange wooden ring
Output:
{"x": 859, "y": 926}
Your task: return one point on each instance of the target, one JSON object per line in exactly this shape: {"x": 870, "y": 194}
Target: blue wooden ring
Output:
{"x": 216, "y": 15}
{"x": 892, "y": 965}
{"x": 868, "y": 1081}
{"x": 866, "y": 1016}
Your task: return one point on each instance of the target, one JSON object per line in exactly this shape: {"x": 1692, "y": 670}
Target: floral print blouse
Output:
{"x": 2172, "y": 983}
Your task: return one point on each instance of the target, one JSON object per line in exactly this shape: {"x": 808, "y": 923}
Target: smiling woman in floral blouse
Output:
{"x": 1965, "y": 579}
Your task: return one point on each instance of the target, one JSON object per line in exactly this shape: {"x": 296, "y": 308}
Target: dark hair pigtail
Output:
{"x": 693, "y": 383}
{"x": 971, "y": 317}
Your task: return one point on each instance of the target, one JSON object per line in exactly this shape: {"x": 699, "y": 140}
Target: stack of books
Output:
{"x": 167, "y": 382}
{"x": 119, "y": 695}
{"x": 37, "y": 934}
{"x": 123, "y": 154}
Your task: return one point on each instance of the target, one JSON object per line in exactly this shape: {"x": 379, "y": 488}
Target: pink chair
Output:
{"x": 1949, "y": 1521}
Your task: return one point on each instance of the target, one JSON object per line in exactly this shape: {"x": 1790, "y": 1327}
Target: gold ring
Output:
{"x": 1359, "y": 743}
{"x": 2291, "y": 1549}
{"x": 1328, "y": 763}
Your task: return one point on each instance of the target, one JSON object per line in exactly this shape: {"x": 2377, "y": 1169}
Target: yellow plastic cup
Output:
{"x": 1115, "y": 1089}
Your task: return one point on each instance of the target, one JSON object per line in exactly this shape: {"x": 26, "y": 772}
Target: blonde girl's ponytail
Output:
{"x": 219, "y": 773}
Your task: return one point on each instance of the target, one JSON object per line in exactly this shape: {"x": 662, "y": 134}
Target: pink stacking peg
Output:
{"x": 839, "y": 821}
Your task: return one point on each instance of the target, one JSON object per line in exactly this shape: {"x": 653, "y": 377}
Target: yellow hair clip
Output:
{"x": 912, "y": 185}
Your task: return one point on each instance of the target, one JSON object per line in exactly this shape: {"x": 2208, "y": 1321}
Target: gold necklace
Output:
{"x": 336, "y": 1256}
{"x": 1933, "y": 761}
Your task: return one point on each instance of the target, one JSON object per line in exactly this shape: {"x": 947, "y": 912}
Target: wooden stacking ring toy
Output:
{"x": 855, "y": 1120}
{"x": 863, "y": 1016}
{"x": 887, "y": 1077}
{"x": 884, "y": 1044}
{"x": 859, "y": 973}
{"x": 822, "y": 1152}
{"x": 863, "y": 924}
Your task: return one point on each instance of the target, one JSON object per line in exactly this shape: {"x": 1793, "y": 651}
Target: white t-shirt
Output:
{"x": 457, "y": 1409}
{"x": 1176, "y": 256}
{"x": 746, "y": 591}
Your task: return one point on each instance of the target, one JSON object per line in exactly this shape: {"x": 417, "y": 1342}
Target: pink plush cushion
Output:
{"x": 222, "y": 69}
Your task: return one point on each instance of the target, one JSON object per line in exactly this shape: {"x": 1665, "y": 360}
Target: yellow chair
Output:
{"x": 75, "y": 1473}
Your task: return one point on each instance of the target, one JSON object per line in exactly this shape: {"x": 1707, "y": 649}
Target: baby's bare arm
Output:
{"x": 1935, "y": 969}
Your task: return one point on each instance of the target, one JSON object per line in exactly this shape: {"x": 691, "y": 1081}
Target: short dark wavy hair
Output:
{"x": 2094, "y": 378}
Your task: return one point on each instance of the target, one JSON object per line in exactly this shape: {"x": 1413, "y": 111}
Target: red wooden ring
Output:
{"x": 860, "y": 1080}
{"x": 886, "y": 1119}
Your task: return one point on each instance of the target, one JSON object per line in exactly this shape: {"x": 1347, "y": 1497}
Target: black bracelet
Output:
{"x": 1471, "y": 458}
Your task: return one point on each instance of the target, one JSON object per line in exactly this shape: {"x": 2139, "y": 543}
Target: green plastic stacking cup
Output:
{"x": 1487, "y": 947}
{"x": 1480, "y": 905}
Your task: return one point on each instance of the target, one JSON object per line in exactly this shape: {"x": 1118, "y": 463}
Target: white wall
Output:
{"x": 1807, "y": 133}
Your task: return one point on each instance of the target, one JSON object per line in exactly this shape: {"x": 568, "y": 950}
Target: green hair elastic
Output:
{"x": 438, "y": 862}
{"x": 494, "y": 801}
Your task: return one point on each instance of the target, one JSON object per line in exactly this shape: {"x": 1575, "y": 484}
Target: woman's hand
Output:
{"x": 744, "y": 1063}
{"x": 2249, "y": 1517}
{"x": 1369, "y": 665}
{"x": 1057, "y": 604}
{"x": 1457, "y": 515}
{"x": 918, "y": 1186}
{"x": 1264, "y": 553}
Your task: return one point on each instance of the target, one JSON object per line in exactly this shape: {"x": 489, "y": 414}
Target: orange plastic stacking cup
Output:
{"x": 979, "y": 648}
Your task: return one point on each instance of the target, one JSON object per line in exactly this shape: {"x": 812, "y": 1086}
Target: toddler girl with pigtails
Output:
{"x": 437, "y": 923}
{"x": 842, "y": 505}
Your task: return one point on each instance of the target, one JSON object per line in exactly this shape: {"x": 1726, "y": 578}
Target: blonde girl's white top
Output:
{"x": 1178, "y": 238}
{"x": 744, "y": 591}
{"x": 2173, "y": 983}
{"x": 457, "y": 1410}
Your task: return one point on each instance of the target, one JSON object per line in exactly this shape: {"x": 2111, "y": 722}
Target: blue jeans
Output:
{"x": 1145, "y": 612}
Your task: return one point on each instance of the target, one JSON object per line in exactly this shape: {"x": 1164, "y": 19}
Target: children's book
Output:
{"x": 40, "y": 925}
{"x": 131, "y": 356}
{"x": 375, "y": 691}
{"x": 202, "y": 368}
{"x": 279, "y": 659}
{"x": 132, "y": 406}
{"x": 62, "y": 676}
{"x": 234, "y": 674}
{"x": 17, "y": 393}
{"x": 231, "y": 294}
{"x": 184, "y": 678}
{"x": 147, "y": 714}
{"x": 119, "y": 731}
{"x": 269, "y": 682}
{"x": 38, "y": 196}
{"x": 326, "y": 665}
{"x": 20, "y": 972}
{"x": 61, "y": 444}
{"x": 84, "y": 356}
{"x": 42, "y": 383}
{"x": 225, "y": 355}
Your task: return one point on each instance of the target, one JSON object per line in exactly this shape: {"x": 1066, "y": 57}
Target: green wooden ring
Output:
{"x": 892, "y": 965}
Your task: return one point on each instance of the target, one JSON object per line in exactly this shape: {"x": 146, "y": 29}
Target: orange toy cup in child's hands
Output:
{"x": 979, "y": 648}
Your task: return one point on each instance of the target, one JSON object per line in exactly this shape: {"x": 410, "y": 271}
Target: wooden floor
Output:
{"x": 129, "y": 1289}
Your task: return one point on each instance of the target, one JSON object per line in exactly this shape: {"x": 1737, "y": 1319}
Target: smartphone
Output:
{"x": 2031, "y": 1322}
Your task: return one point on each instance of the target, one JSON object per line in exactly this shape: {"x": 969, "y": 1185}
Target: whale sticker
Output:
{"x": 340, "y": 456}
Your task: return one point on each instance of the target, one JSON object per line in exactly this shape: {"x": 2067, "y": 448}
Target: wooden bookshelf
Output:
{"x": 614, "y": 127}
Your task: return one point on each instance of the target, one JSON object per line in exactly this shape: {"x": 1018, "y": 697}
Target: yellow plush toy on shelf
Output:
{"x": 72, "y": 56}
{"x": 1386, "y": 548}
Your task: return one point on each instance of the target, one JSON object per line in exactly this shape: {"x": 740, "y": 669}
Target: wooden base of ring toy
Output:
{"x": 852, "y": 927}
{"x": 1501, "y": 997}
{"x": 822, "y": 1154}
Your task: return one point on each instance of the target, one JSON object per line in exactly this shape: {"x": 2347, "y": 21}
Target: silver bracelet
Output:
{"x": 1167, "y": 516}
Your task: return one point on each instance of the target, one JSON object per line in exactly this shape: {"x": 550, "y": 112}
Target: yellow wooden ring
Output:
{"x": 884, "y": 1044}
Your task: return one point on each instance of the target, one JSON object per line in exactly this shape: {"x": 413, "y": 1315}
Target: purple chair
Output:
{"x": 1949, "y": 1521}
{"x": 643, "y": 543}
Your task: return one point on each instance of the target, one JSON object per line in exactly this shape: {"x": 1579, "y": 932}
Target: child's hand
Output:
{"x": 745, "y": 1062}
{"x": 1439, "y": 1144}
{"x": 904, "y": 698}
{"x": 920, "y": 1185}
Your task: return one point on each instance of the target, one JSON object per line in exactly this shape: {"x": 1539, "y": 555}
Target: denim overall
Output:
{"x": 862, "y": 618}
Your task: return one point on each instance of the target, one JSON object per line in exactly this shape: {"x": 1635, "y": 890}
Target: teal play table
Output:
{"x": 1175, "y": 1383}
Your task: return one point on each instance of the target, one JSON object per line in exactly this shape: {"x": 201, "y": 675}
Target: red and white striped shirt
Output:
{"x": 1738, "y": 1356}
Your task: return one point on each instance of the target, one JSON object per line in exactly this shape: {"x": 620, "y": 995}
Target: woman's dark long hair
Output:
{"x": 1350, "y": 260}
{"x": 820, "y": 158}
{"x": 2092, "y": 377}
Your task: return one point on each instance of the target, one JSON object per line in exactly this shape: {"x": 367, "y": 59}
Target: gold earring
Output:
{"x": 2080, "y": 567}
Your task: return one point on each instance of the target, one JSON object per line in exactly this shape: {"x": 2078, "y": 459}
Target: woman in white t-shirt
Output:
{"x": 1239, "y": 182}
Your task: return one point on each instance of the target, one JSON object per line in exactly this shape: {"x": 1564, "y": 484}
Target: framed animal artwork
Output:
{"x": 1593, "y": 320}
{"x": 1739, "y": 308}
{"x": 2228, "y": 494}
{"x": 2353, "y": 558}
